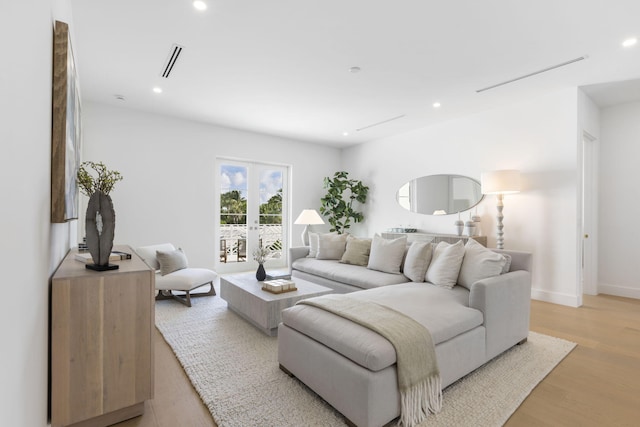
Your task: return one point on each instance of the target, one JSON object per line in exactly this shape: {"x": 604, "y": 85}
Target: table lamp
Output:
{"x": 500, "y": 182}
{"x": 308, "y": 217}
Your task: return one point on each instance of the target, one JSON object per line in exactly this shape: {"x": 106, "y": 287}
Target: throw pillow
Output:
{"x": 417, "y": 261}
{"x": 507, "y": 265}
{"x": 386, "y": 254}
{"x": 445, "y": 264}
{"x": 313, "y": 245}
{"x": 479, "y": 263}
{"x": 171, "y": 261}
{"x": 331, "y": 246}
{"x": 357, "y": 251}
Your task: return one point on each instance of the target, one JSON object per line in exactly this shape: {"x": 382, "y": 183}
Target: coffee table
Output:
{"x": 244, "y": 296}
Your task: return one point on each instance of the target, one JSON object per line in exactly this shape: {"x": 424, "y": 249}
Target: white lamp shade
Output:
{"x": 500, "y": 182}
{"x": 309, "y": 217}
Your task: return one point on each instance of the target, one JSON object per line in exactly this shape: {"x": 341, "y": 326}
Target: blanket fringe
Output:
{"x": 420, "y": 400}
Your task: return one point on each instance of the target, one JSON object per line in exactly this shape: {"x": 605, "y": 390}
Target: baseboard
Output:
{"x": 555, "y": 297}
{"x": 619, "y": 291}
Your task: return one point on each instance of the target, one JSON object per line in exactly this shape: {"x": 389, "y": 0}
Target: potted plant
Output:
{"x": 260, "y": 255}
{"x": 337, "y": 204}
{"x": 100, "y": 221}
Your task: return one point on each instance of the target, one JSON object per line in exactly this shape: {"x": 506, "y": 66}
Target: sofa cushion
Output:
{"x": 184, "y": 280}
{"x": 331, "y": 246}
{"x": 314, "y": 241}
{"x": 417, "y": 261}
{"x": 444, "y": 312}
{"x": 353, "y": 275}
{"x": 357, "y": 251}
{"x": 445, "y": 264}
{"x": 479, "y": 263}
{"x": 386, "y": 254}
{"x": 171, "y": 261}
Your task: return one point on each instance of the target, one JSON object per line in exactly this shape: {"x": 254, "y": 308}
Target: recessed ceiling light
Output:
{"x": 345, "y": 133}
{"x": 157, "y": 89}
{"x": 200, "y": 5}
{"x": 436, "y": 105}
{"x": 630, "y": 42}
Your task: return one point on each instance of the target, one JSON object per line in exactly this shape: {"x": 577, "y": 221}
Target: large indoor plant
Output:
{"x": 338, "y": 204}
{"x": 100, "y": 221}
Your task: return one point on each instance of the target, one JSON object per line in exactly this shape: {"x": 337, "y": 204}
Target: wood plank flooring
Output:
{"x": 597, "y": 384}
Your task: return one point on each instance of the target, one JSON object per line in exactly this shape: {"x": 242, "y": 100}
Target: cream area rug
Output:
{"x": 234, "y": 368}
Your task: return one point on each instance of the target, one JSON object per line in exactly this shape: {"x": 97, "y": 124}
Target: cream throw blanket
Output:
{"x": 417, "y": 369}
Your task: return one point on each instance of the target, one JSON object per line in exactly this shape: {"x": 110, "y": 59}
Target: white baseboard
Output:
{"x": 554, "y": 297}
{"x": 619, "y": 291}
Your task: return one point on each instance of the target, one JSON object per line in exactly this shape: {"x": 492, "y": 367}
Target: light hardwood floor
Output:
{"x": 597, "y": 384}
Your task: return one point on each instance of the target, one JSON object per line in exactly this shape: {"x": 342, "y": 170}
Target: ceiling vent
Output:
{"x": 380, "y": 123}
{"x": 544, "y": 70}
{"x": 174, "y": 53}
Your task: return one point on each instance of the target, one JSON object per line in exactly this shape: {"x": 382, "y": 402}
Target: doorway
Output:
{"x": 251, "y": 211}
{"x": 588, "y": 238}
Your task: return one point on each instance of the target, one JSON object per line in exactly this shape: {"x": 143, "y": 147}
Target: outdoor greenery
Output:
{"x": 104, "y": 181}
{"x": 337, "y": 204}
{"x": 233, "y": 208}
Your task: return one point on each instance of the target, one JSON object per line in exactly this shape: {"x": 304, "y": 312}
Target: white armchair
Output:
{"x": 183, "y": 279}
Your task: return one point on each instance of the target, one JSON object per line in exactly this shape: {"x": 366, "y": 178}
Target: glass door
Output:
{"x": 251, "y": 212}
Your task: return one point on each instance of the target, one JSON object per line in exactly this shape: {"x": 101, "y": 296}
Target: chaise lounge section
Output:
{"x": 354, "y": 369}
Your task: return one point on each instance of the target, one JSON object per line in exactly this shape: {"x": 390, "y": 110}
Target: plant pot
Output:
{"x": 261, "y": 274}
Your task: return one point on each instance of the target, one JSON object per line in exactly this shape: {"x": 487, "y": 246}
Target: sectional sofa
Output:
{"x": 483, "y": 314}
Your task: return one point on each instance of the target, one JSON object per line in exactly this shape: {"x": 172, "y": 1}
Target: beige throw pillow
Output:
{"x": 479, "y": 263}
{"x": 357, "y": 251}
{"x": 386, "y": 254}
{"x": 171, "y": 261}
{"x": 445, "y": 264}
{"x": 417, "y": 261}
{"x": 331, "y": 246}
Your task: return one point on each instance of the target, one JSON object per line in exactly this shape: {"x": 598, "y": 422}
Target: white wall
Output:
{"x": 168, "y": 192}
{"x": 537, "y": 136}
{"x": 31, "y": 247}
{"x": 619, "y": 207}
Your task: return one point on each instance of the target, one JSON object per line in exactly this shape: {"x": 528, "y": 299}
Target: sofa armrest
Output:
{"x": 297, "y": 252}
{"x": 505, "y": 302}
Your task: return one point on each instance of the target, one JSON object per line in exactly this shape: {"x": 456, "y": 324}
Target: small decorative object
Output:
{"x": 100, "y": 222}
{"x": 470, "y": 227}
{"x": 260, "y": 255}
{"x": 500, "y": 182}
{"x": 338, "y": 210}
{"x": 477, "y": 219}
{"x": 459, "y": 225}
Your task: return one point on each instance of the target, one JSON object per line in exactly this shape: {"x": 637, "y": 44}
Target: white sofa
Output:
{"x": 353, "y": 368}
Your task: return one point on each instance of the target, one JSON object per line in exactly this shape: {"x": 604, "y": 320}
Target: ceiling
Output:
{"x": 282, "y": 67}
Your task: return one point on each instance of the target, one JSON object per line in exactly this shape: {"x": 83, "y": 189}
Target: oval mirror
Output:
{"x": 439, "y": 194}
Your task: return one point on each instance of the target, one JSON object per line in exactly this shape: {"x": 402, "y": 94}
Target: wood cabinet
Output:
{"x": 101, "y": 342}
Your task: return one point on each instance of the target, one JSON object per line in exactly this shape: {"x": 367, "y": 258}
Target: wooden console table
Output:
{"x": 436, "y": 238}
{"x": 102, "y": 359}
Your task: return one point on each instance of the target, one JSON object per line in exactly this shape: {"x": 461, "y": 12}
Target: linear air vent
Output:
{"x": 544, "y": 70}
{"x": 174, "y": 53}
{"x": 380, "y": 123}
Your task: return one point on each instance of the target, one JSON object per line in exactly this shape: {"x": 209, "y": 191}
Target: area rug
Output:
{"x": 234, "y": 368}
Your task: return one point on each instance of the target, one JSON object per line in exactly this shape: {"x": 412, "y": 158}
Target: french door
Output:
{"x": 251, "y": 211}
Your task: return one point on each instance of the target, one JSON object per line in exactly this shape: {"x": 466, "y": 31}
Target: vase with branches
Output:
{"x": 96, "y": 182}
{"x": 338, "y": 204}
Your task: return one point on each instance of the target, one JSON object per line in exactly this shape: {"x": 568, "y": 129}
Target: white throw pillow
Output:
{"x": 479, "y": 263}
{"x": 313, "y": 245}
{"x": 357, "y": 251}
{"x": 331, "y": 246}
{"x": 386, "y": 254}
{"x": 171, "y": 261}
{"x": 417, "y": 261}
{"x": 445, "y": 264}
